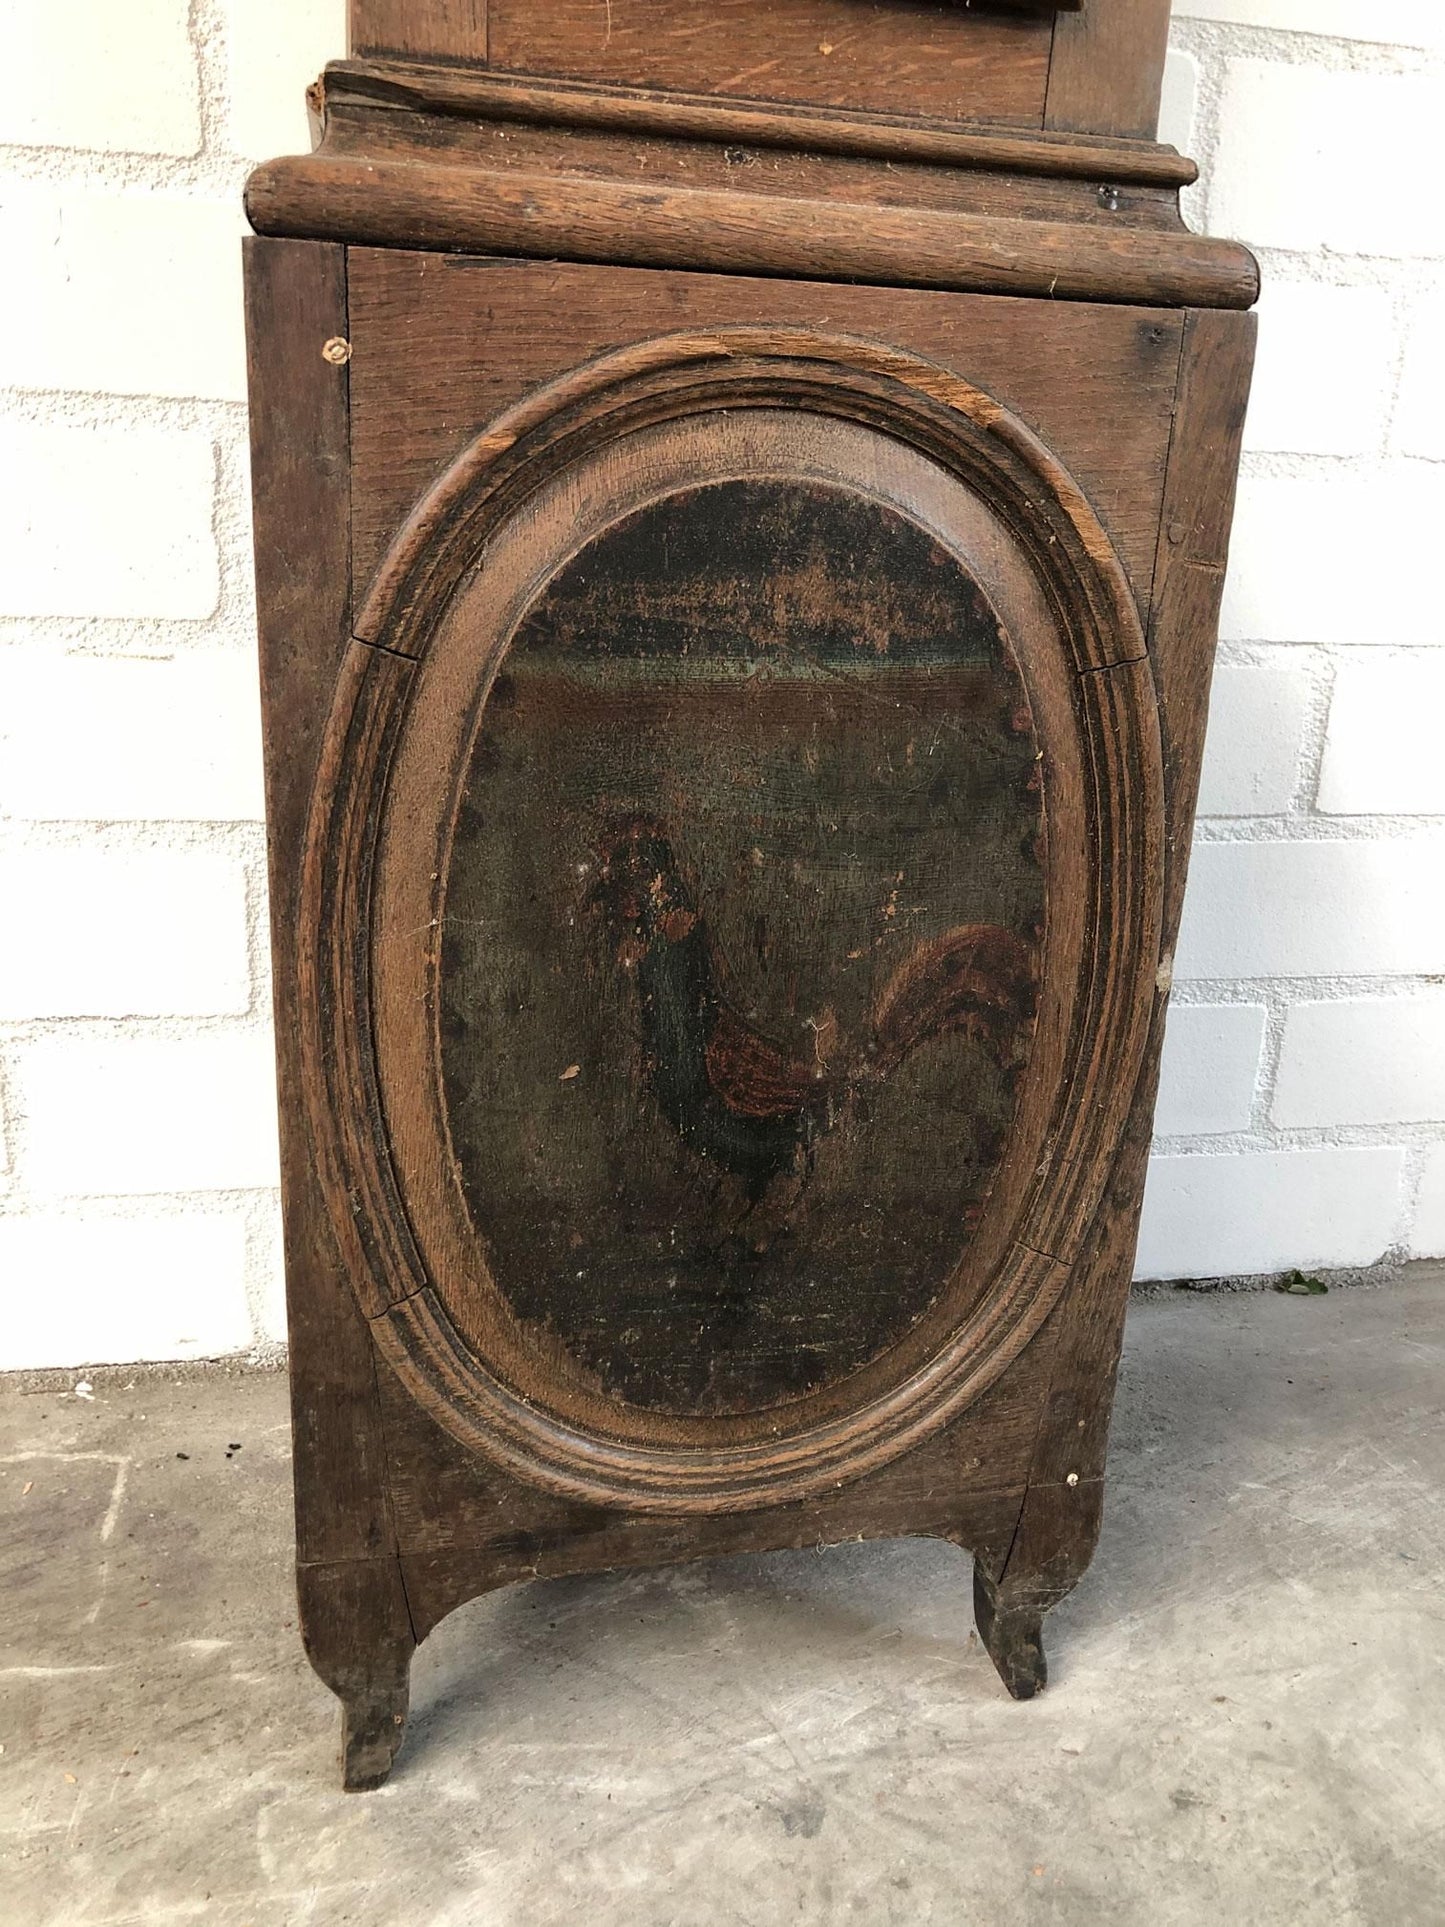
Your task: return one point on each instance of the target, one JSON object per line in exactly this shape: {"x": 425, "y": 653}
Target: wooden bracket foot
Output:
{"x": 359, "y": 1638}
{"x": 1013, "y": 1635}
{"x": 373, "y": 1724}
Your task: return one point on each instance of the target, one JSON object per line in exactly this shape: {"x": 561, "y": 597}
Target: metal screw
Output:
{"x": 1073, "y": 1479}
{"x": 336, "y": 351}
{"x": 1110, "y": 198}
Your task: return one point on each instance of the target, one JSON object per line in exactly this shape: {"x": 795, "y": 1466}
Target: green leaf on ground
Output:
{"x": 1299, "y": 1285}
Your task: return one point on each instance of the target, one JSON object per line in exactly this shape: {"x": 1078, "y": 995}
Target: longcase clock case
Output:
{"x": 732, "y": 732}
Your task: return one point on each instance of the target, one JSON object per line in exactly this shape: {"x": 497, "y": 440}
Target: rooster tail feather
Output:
{"x": 978, "y": 979}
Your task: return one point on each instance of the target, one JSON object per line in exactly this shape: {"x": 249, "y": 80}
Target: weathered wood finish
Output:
{"x": 1194, "y": 542}
{"x": 394, "y": 1212}
{"x": 460, "y": 340}
{"x": 353, "y": 1604}
{"x": 710, "y": 1128}
{"x": 1107, "y": 67}
{"x": 450, "y": 449}
{"x": 991, "y": 65}
{"x": 395, "y": 204}
{"x": 1079, "y": 65}
{"x": 441, "y": 29}
{"x": 458, "y": 28}
{"x": 465, "y": 161}
{"x": 470, "y": 99}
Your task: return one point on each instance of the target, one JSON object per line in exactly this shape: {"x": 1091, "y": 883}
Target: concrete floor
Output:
{"x": 1246, "y": 1725}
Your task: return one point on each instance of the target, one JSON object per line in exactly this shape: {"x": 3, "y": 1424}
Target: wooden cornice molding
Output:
{"x": 450, "y": 158}
{"x": 403, "y": 204}
{"x": 470, "y": 93}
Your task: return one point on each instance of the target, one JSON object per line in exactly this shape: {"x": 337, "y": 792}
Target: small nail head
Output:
{"x": 1073, "y": 1479}
{"x": 337, "y": 350}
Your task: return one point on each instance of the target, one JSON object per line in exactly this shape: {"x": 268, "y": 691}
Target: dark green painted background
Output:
{"x": 815, "y": 699}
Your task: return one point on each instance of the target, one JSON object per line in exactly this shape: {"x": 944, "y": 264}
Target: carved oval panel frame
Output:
{"x": 406, "y": 713}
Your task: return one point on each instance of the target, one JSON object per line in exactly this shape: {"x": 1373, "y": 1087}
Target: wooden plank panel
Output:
{"x": 925, "y": 58}
{"x": 1199, "y": 504}
{"x": 971, "y": 1517}
{"x": 444, "y": 343}
{"x": 1108, "y": 67}
{"x": 436, "y": 29}
{"x": 451, "y": 1500}
{"x": 295, "y": 302}
{"x": 1193, "y": 548}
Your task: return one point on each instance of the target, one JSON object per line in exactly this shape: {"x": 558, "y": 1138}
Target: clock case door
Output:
{"x": 380, "y": 479}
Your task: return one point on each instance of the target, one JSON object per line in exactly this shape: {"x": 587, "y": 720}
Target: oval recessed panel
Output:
{"x": 741, "y": 931}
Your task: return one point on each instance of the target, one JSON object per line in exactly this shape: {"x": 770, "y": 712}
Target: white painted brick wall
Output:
{"x": 270, "y": 43}
{"x": 1207, "y": 1083}
{"x": 1427, "y": 1235}
{"x": 1318, "y": 890}
{"x": 1376, "y": 1060}
{"x": 1337, "y": 555}
{"x": 104, "y": 521}
{"x": 1253, "y": 1211}
{"x": 1383, "y": 750}
{"x": 134, "y": 738}
{"x": 1405, "y": 23}
{"x": 1179, "y": 100}
{"x": 110, "y": 930}
{"x": 1308, "y": 333}
{"x": 93, "y": 74}
{"x": 138, "y": 1208}
{"x": 1419, "y": 421}
{"x": 1291, "y": 168}
{"x": 104, "y": 1287}
{"x": 110, "y": 1114}
{"x": 138, "y": 1214}
{"x": 1370, "y": 907}
{"x": 134, "y": 293}
{"x": 1258, "y": 715}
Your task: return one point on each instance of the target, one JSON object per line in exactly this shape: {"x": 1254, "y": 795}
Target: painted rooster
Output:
{"x": 755, "y": 1108}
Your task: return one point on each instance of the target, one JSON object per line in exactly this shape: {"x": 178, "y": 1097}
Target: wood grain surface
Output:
{"x": 1107, "y": 68}
{"x": 460, "y": 1343}
{"x": 415, "y": 203}
{"x": 1092, "y": 65}
{"x": 354, "y": 1618}
{"x": 459, "y": 29}
{"x": 300, "y": 467}
{"x": 377, "y": 492}
{"x": 455, "y": 29}
{"x": 451, "y": 343}
{"x": 418, "y": 96}
{"x": 925, "y": 58}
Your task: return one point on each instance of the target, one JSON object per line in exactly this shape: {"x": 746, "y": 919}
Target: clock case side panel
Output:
{"x": 355, "y": 1621}
{"x": 998, "y": 1481}
{"x": 1060, "y": 1519}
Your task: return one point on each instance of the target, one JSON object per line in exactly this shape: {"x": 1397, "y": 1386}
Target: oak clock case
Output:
{"x": 732, "y": 724}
